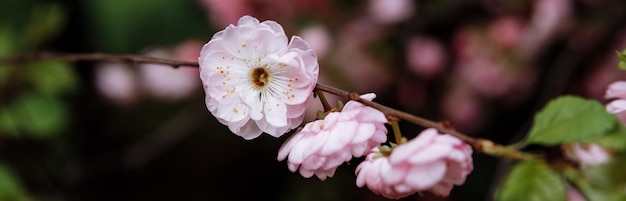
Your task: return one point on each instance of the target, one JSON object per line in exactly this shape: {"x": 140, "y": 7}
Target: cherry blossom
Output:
{"x": 616, "y": 90}
{"x": 166, "y": 83}
{"x": 429, "y": 162}
{"x": 117, "y": 83}
{"x": 587, "y": 154}
{"x": 390, "y": 11}
{"x": 255, "y": 80}
{"x": 322, "y": 145}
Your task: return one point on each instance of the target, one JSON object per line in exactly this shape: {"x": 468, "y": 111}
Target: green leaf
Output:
{"x": 8, "y": 125}
{"x": 51, "y": 77}
{"x": 532, "y": 181}
{"x": 622, "y": 58}
{"x": 614, "y": 140}
{"x": 44, "y": 22}
{"x": 570, "y": 119}
{"x": 39, "y": 116}
{"x": 10, "y": 188}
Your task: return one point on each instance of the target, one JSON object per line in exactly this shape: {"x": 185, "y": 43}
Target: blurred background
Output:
{"x": 120, "y": 131}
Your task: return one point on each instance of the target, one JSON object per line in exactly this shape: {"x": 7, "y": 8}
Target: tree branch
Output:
{"x": 481, "y": 145}
{"x": 97, "y": 57}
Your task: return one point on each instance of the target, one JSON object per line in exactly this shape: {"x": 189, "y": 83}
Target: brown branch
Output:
{"x": 97, "y": 57}
{"x": 481, "y": 145}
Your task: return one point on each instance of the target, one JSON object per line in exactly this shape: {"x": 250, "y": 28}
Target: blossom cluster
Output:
{"x": 256, "y": 81}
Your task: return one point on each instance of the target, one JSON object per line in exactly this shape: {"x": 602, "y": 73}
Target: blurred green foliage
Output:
{"x": 128, "y": 26}
{"x": 10, "y": 187}
{"x": 532, "y": 181}
{"x": 32, "y": 91}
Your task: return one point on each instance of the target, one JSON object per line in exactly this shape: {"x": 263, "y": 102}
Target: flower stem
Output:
{"x": 396, "y": 132}
{"x": 323, "y": 100}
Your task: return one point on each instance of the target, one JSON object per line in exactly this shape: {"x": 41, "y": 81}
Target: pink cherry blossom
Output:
{"x": 390, "y": 11}
{"x": 255, "y": 80}
{"x": 429, "y": 162}
{"x": 117, "y": 83}
{"x": 318, "y": 37}
{"x": 322, "y": 145}
{"x": 587, "y": 154}
{"x": 166, "y": 83}
{"x": 617, "y": 90}
{"x": 425, "y": 56}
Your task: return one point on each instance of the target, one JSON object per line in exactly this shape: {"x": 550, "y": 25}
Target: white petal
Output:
{"x": 275, "y": 112}
{"x": 247, "y": 20}
{"x": 249, "y": 131}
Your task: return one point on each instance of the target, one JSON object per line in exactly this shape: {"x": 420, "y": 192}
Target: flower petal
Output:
{"x": 424, "y": 176}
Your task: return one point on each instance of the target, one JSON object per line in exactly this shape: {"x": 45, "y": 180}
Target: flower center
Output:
{"x": 260, "y": 77}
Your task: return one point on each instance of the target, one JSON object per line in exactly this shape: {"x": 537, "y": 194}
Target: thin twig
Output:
{"x": 481, "y": 145}
{"x": 97, "y": 57}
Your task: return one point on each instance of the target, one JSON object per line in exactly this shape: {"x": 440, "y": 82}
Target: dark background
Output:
{"x": 95, "y": 149}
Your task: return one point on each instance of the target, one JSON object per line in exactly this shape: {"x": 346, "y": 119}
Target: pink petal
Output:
{"x": 390, "y": 175}
{"x": 430, "y": 153}
{"x": 369, "y": 114}
{"x": 425, "y": 176}
{"x": 284, "y": 150}
{"x": 363, "y": 133}
{"x": 455, "y": 174}
{"x": 404, "y": 151}
{"x": 616, "y": 90}
{"x": 341, "y": 134}
{"x": 306, "y": 173}
{"x": 442, "y": 189}
{"x": 616, "y": 106}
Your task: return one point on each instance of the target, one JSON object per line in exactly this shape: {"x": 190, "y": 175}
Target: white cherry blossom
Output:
{"x": 255, "y": 80}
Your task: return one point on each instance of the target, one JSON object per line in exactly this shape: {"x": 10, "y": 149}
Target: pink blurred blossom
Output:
{"x": 429, "y": 162}
{"x": 167, "y": 83}
{"x": 318, "y": 38}
{"x": 225, "y": 12}
{"x": 322, "y": 145}
{"x": 506, "y": 32}
{"x": 549, "y": 19}
{"x": 587, "y": 154}
{"x": 487, "y": 71}
{"x": 117, "y": 83}
{"x": 362, "y": 70}
{"x": 390, "y": 11}
{"x": 617, "y": 91}
{"x": 426, "y": 57}
{"x": 468, "y": 44}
